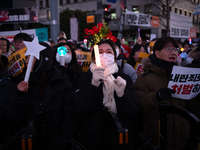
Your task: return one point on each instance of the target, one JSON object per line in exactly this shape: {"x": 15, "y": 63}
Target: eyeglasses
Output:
{"x": 2, "y": 45}
{"x": 170, "y": 49}
{"x": 18, "y": 41}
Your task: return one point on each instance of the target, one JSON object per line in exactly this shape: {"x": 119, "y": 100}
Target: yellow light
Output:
{"x": 97, "y": 57}
{"x": 182, "y": 49}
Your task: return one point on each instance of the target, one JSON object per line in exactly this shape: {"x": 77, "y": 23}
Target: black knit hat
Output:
{"x": 45, "y": 62}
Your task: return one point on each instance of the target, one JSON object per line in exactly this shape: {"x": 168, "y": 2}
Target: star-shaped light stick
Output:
{"x": 33, "y": 49}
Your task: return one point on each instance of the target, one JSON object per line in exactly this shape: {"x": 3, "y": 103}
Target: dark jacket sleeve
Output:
{"x": 70, "y": 120}
{"x": 5, "y": 92}
{"x": 87, "y": 98}
{"x": 127, "y": 105}
{"x": 18, "y": 105}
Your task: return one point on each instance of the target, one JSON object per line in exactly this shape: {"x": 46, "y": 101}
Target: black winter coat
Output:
{"x": 6, "y": 86}
{"x": 51, "y": 116}
{"x": 97, "y": 130}
{"x": 194, "y": 104}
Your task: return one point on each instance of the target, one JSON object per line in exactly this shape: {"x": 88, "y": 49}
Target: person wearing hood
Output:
{"x": 71, "y": 69}
{"x": 151, "y": 87}
{"x": 101, "y": 89}
{"x": 45, "y": 101}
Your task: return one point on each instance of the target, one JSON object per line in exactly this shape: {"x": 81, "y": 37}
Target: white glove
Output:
{"x": 120, "y": 85}
{"x": 98, "y": 76}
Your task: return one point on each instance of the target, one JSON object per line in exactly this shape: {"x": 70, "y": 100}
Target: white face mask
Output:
{"x": 117, "y": 52}
{"x": 68, "y": 58}
{"x": 106, "y": 60}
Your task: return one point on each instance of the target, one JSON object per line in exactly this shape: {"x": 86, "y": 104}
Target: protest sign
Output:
{"x": 138, "y": 66}
{"x": 16, "y": 62}
{"x": 185, "y": 82}
{"x": 84, "y": 59}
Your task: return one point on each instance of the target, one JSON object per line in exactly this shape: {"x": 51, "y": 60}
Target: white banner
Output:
{"x": 180, "y": 20}
{"x": 179, "y": 32}
{"x": 74, "y": 29}
{"x": 137, "y": 19}
{"x": 185, "y": 82}
{"x": 31, "y": 32}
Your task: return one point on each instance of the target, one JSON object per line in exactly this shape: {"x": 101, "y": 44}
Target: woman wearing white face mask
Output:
{"x": 105, "y": 86}
{"x": 72, "y": 70}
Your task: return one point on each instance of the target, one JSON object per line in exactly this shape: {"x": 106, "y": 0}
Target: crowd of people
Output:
{"x": 62, "y": 105}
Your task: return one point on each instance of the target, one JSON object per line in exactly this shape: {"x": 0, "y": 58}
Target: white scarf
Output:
{"x": 108, "y": 87}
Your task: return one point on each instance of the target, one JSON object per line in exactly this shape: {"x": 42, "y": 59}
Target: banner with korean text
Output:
{"x": 179, "y": 32}
{"x": 137, "y": 19}
{"x": 185, "y": 82}
{"x": 138, "y": 66}
{"x": 180, "y": 25}
{"x": 19, "y": 15}
{"x": 16, "y": 62}
{"x": 84, "y": 59}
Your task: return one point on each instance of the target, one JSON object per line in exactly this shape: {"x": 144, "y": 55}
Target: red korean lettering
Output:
{"x": 177, "y": 88}
{"x": 16, "y": 66}
{"x": 140, "y": 68}
{"x": 187, "y": 89}
{"x": 11, "y": 71}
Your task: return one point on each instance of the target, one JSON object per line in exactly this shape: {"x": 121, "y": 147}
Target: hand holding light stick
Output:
{"x": 62, "y": 51}
{"x": 28, "y": 71}
{"x": 33, "y": 49}
{"x": 97, "y": 57}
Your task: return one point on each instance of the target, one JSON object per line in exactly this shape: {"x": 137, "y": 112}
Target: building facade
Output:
{"x": 151, "y": 7}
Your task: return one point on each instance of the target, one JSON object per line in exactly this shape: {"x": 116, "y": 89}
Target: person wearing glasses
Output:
{"x": 151, "y": 87}
{"x": 19, "y": 39}
{"x": 5, "y": 47}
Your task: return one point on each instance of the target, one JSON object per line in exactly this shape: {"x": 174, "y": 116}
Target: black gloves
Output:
{"x": 164, "y": 94}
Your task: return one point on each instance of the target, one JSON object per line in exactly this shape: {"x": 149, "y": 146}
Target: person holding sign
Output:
{"x": 133, "y": 57}
{"x": 19, "y": 39}
{"x": 45, "y": 101}
{"x": 151, "y": 87}
{"x": 104, "y": 87}
{"x": 16, "y": 61}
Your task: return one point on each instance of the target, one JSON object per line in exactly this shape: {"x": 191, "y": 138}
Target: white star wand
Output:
{"x": 33, "y": 49}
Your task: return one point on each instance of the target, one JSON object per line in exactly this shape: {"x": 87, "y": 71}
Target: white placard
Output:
{"x": 179, "y": 32}
{"x": 180, "y": 20}
{"x": 185, "y": 82}
{"x": 137, "y": 19}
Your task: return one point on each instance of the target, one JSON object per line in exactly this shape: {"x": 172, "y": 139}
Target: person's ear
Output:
{"x": 157, "y": 53}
